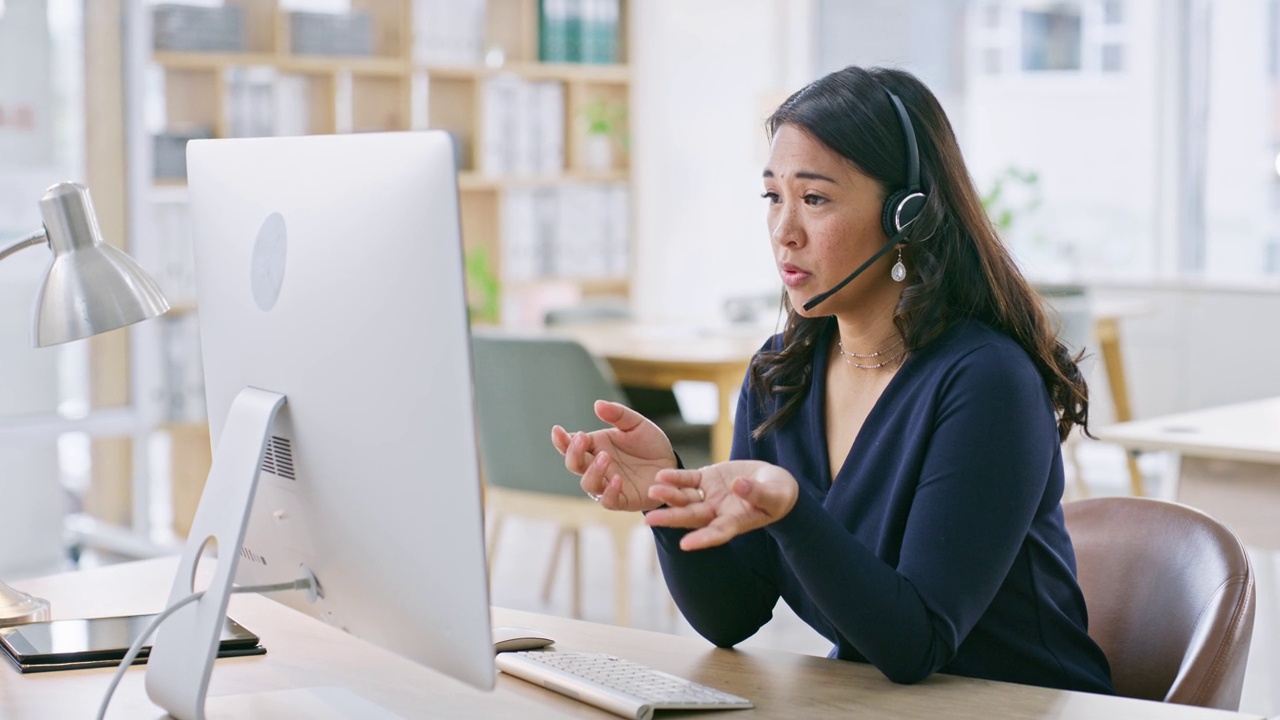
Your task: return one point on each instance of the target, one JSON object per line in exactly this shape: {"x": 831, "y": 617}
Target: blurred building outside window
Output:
{"x": 1129, "y": 140}
{"x": 44, "y": 392}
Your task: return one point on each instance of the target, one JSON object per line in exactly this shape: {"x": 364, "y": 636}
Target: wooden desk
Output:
{"x": 304, "y": 653}
{"x": 658, "y": 357}
{"x": 1229, "y": 466}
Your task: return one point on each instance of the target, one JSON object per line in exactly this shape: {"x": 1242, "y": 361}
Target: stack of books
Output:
{"x": 448, "y": 32}
{"x": 578, "y": 31}
{"x": 575, "y": 231}
{"x": 523, "y": 127}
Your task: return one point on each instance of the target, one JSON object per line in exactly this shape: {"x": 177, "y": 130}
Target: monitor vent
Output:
{"x": 277, "y": 459}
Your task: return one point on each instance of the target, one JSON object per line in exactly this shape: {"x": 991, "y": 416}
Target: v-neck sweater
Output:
{"x": 940, "y": 544}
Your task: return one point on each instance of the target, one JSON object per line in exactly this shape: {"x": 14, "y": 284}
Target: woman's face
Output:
{"x": 824, "y": 221}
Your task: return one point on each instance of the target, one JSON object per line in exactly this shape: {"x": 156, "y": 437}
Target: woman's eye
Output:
{"x": 772, "y": 197}
{"x": 814, "y": 199}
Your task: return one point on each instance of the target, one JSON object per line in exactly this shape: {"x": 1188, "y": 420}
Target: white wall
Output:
{"x": 1194, "y": 347}
{"x": 703, "y": 74}
{"x": 1093, "y": 138}
{"x": 1242, "y": 116}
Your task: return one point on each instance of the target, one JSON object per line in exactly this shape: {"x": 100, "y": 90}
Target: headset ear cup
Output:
{"x": 900, "y": 208}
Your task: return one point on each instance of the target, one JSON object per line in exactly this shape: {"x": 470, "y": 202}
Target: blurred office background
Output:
{"x": 1127, "y": 148}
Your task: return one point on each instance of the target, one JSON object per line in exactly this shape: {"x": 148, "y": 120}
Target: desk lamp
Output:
{"x": 89, "y": 288}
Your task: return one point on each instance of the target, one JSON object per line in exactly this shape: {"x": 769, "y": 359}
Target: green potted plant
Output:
{"x": 603, "y": 123}
{"x": 482, "y": 286}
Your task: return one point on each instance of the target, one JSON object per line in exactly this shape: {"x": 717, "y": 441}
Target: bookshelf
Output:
{"x": 529, "y": 135}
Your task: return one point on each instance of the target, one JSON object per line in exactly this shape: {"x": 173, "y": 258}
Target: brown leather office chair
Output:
{"x": 1170, "y": 596}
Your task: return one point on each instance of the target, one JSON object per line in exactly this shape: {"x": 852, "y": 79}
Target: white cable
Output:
{"x": 136, "y": 647}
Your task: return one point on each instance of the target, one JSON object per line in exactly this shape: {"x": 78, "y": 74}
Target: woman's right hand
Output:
{"x": 617, "y": 464}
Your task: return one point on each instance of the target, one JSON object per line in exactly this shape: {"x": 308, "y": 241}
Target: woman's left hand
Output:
{"x": 722, "y": 501}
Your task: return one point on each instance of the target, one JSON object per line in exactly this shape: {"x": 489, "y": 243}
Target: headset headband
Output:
{"x": 913, "y": 152}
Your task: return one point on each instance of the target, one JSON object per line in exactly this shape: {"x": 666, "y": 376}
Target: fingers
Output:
{"x": 594, "y": 479}
{"x": 560, "y": 439}
{"x": 772, "y": 499}
{"x": 718, "y": 532}
{"x": 685, "y": 478}
{"x": 618, "y": 415}
{"x": 678, "y": 488}
{"x": 576, "y": 450}
{"x": 693, "y": 515}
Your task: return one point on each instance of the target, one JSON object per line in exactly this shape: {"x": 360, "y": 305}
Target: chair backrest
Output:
{"x": 523, "y": 387}
{"x": 1170, "y": 594}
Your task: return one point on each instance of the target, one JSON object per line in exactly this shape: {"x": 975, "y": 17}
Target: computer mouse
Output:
{"x": 507, "y": 639}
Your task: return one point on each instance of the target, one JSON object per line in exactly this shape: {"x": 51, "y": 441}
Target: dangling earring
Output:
{"x": 899, "y": 272}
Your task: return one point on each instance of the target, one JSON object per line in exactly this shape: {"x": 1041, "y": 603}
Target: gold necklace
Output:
{"x": 849, "y": 356}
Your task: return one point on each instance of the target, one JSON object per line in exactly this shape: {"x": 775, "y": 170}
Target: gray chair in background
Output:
{"x": 692, "y": 440}
{"x": 524, "y": 386}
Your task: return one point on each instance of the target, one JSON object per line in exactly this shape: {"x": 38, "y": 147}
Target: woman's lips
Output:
{"x": 792, "y": 275}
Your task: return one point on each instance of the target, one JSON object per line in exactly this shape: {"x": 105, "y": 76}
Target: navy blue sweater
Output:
{"x": 938, "y": 547}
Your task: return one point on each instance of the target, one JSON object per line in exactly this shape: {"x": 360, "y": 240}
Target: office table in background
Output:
{"x": 1229, "y": 462}
{"x": 657, "y": 356}
{"x": 305, "y": 653}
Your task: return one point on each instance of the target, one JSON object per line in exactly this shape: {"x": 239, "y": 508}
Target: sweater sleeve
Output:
{"x": 726, "y": 593}
{"x": 981, "y": 481}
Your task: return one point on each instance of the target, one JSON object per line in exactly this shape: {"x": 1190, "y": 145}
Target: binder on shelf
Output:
{"x": 553, "y": 30}
{"x": 325, "y": 33}
{"x": 183, "y": 371}
{"x": 176, "y": 271}
{"x": 518, "y": 223}
{"x": 548, "y": 112}
{"x": 618, "y": 218}
{"x": 522, "y": 126}
{"x": 196, "y": 28}
{"x": 573, "y": 30}
{"x": 251, "y": 105}
{"x": 500, "y": 123}
{"x": 546, "y": 228}
{"x": 600, "y": 31}
{"x": 292, "y": 106}
{"x": 448, "y": 32}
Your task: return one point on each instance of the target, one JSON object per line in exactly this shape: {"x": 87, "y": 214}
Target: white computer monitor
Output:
{"x": 329, "y": 272}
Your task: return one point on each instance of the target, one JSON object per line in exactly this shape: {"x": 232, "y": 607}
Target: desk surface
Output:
{"x": 306, "y": 653}
{"x": 1247, "y": 432}
{"x": 667, "y": 343}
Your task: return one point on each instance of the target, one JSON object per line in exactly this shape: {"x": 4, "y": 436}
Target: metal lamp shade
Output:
{"x": 90, "y": 287}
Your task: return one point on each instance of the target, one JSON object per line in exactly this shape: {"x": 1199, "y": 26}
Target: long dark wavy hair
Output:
{"x": 959, "y": 269}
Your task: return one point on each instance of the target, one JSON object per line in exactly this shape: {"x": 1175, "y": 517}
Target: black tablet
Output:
{"x": 98, "y": 642}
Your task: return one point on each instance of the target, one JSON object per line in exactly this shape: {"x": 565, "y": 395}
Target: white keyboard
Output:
{"x": 619, "y": 686}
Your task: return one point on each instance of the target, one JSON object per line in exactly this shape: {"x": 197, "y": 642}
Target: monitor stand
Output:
{"x": 186, "y": 643}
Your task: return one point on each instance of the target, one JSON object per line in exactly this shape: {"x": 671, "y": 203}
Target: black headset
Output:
{"x": 903, "y": 206}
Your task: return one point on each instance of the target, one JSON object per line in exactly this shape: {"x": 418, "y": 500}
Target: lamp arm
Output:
{"x": 35, "y": 238}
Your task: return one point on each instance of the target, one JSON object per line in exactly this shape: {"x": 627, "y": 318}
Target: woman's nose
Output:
{"x": 786, "y": 230}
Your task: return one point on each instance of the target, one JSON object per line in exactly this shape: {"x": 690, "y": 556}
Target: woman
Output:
{"x": 896, "y": 472}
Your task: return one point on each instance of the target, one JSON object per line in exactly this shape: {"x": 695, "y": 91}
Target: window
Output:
{"x": 1051, "y": 38}
{"x": 1016, "y": 37}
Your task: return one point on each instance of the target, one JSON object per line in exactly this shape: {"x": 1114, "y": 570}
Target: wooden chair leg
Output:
{"x": 576, "y": 555}
{"x": 550, "y": 578}
{"x": 1135, "y": 476}
{"x": 495, "y": 531}
{"x": 621, "y": 575}
{"x": 1072, "y": 454}
{"x": 1108, "y": 330}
